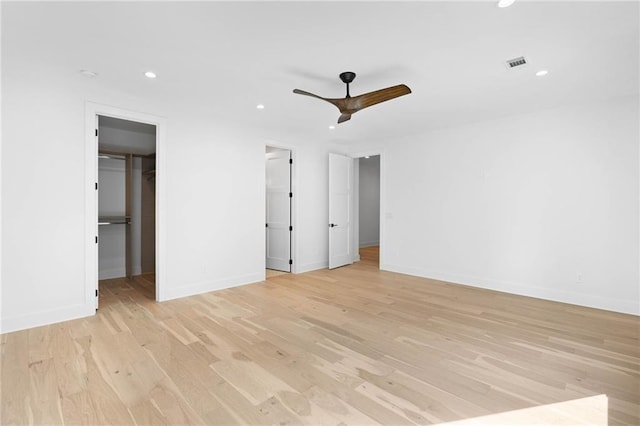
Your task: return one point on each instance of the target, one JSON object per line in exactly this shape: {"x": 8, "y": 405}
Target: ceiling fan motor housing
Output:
{"x": 347, "y": 76}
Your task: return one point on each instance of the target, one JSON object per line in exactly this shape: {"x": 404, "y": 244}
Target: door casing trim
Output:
{"x": 92, "y": 110}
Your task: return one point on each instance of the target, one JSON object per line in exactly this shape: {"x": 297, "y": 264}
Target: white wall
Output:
{"x": 214, "y": 196}
{"x": 520, "y": 204}
{"x": 369, "y": 200}
{"x": 544, "y": 204}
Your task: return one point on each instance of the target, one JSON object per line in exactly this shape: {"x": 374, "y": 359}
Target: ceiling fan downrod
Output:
{"x": 347, "y": 77}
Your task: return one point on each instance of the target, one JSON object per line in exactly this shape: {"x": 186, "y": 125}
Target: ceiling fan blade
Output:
{"x": 302, "y": 92}
{"x": 368, "y": 99}
{"x": 339, "y": 103}
{"x": 343, "y": 118}
{"x": 351, "y": 105}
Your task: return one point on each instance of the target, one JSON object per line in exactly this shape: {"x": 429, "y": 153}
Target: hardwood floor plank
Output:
{"x": 354, "y": 346}
{"x": 45, "y": 404}
{"x": 16, "y": 392}
{"x": 79, "y": 409}
{"x": 336, "y": 408}
{"x": 109, "y": 408}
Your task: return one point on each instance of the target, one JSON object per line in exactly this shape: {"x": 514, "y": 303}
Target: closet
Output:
{"x": 126, "y": 199}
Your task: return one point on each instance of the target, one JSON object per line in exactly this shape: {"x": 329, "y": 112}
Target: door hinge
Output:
{"x": 290, "y": 228}
{"x": 96, "y": 292}
{"x": 290, "y": 160}
{"x": 96, "y": 186}
{"x": 266, "y": 225}
{"x": 291, "y": 195}
{"x": 96, "y": 239}
{"x": 290, "y": 261}
{"x": 96, "y": 132}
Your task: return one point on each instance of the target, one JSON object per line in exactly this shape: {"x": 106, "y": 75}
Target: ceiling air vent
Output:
{"x": 516, "y": 62}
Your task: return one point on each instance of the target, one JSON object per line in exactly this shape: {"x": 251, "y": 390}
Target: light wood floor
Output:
{"x": 349, "y": 346}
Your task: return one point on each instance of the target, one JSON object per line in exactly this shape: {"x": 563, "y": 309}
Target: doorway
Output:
{"x": 278, "y": 211}
{"x": 126, "y": 206}
{"x": 93, "y": 114}
{"x": 368, "y": 170}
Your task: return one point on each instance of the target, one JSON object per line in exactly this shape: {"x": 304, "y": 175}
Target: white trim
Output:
{"x": 107, "y": 274}
{"x": 355, "y": 237}
{"x": 308, "y": 267}
{"x": 1, "y": 287}
{"x": 92, "y": 110}
{"x": 556, "y": 295}
{"x": 209, "y": 286}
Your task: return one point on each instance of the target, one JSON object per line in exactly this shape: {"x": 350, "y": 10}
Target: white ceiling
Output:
{"x": 224, "y": 58}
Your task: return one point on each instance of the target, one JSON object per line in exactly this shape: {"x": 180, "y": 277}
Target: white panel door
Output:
{"x": 340, "y": 210}
{"x": 278, "y": 211}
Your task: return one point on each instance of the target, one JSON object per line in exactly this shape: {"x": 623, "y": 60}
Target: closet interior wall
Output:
{"x": 126, "y": 198}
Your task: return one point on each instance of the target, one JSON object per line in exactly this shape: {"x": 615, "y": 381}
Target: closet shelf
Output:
{"x": 114, "y": 220}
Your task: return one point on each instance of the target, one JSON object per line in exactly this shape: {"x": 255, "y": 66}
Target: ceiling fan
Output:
{"x": 349, "y": 105}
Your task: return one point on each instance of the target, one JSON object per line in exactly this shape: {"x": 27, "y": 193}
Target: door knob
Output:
{"x": 333, "y": 225}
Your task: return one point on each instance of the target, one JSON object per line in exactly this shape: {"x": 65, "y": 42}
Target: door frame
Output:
{"x": 92, "y": 111}
{"x": 294, "y": 204}
{"x": 383, "y": 197}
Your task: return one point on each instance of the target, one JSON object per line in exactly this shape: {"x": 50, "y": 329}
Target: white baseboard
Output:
{"x": 308, "y": 267}
{"x": 591, "y": 301}
{"x": 107, "y": 274}
{"x": 207, "y": 286}
{"x": 38, "y": 319}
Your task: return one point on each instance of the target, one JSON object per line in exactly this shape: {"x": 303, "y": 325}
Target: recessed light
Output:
{"x": 150, "y": 74}
{"x": 260, "y": 106}
{"x": 542, "y": 73}
{"x": 88, "y": 74}
{"x": 366, "y": 156}
{"x": 505, "y": 3}
{"x": 332, "y": 127}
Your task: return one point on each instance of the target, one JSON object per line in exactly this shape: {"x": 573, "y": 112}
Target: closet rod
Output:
{"x": 112, "y": 156}
{"x": 114, "y": 220}
{"x": 122, "y": 153}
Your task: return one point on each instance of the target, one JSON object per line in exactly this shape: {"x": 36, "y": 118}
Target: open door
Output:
{"x": 278, "y": 210}
{"x": 340, "y": 210}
